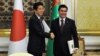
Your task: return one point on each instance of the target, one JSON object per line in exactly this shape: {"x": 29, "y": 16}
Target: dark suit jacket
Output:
{"x": 61, "y": 38}
{"x": 36, "y": 44}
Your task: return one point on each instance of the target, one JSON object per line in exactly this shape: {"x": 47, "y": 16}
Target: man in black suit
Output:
{"x": 36, "y": 44}
{"x": 64, "y": 30}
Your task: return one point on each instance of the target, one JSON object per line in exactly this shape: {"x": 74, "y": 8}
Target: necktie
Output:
{"x": 41, "y": 19}
{"x": 62, "y": 24}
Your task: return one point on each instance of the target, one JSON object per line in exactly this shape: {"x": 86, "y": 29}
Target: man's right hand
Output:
{"x": 75, "y": 50}
{"x": 52, "y": 35}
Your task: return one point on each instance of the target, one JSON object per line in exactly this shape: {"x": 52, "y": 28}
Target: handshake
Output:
{"x": 52, "y": 36}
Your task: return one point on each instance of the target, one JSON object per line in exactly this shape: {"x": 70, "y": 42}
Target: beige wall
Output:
{"x": 87, "y": 15}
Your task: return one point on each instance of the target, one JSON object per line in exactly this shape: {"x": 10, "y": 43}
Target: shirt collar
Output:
{"x": 37, "y": 16}
{"x": 61, "y": 19}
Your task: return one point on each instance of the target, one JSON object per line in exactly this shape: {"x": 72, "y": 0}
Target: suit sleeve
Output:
{"x": 52, "y": 26}
{"x": 33, "y": 25}
{"x": 75, "y": 35}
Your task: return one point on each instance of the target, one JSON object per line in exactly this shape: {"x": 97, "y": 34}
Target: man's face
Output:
{"x": 40, "y": 10}
{"x": 63, "y": 12}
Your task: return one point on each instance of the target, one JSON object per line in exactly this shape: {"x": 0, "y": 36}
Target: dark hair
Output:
{"x": 62, "y": 6}
{"x": 35, "y": 5}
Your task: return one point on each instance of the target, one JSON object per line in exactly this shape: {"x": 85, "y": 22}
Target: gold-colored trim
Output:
{"x": 89, "y": 32}
{"x": 6, "y": 32}
{"x": 94, "y": 32}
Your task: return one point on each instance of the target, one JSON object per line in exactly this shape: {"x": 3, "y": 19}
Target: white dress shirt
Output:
{"x": 60, "y": 21}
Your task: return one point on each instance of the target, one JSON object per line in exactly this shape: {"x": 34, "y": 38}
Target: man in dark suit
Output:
{"x": 36, "y": 44}
{"x": 64, "y": 30}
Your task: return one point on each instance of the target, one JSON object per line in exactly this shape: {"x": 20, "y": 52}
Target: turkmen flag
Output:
{"x": 54, "y": 15}
{"x": 55, "y": 7}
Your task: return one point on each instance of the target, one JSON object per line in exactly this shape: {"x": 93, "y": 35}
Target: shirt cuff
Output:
{"x": 75, "y": 48}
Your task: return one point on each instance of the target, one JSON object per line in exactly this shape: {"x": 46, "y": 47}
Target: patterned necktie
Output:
{"x": 41, "y": 19}
{"x": 62, "y": 24}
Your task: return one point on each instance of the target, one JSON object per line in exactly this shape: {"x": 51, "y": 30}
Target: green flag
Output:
{"x": 54, "y": 15}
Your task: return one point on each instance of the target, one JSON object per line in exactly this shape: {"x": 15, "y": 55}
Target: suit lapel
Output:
{"x": 65, "y": 25}
{"x": 38, "y": 21}
{"x": 36, "y": 18}
{"x": 58, "y": 26}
